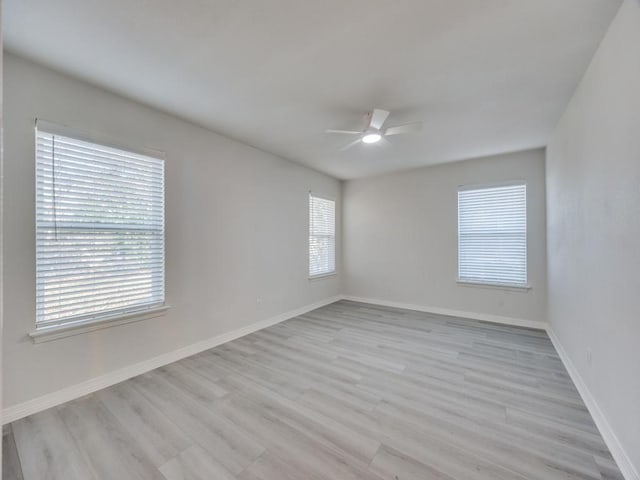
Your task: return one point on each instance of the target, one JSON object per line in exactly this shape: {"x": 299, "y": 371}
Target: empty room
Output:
{"x": 336, "y": 240}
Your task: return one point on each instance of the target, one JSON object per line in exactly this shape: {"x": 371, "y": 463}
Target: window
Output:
{"x": 492, "y": 235}
{"x": 99, "y": 230}
{"x": 322, "y": 236}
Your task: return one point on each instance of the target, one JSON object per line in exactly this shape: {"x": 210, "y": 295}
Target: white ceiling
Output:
{"x": 486, "y": 76}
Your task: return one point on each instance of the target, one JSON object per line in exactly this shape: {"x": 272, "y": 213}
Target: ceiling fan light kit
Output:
{"x": 371, "y": 138}
{"x": 374, "y": 132}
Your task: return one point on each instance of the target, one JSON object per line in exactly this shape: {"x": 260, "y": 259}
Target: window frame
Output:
{"x": 492, "y": 284}
{"x": 72, "y": 325}
{"x": 333, "y": 272}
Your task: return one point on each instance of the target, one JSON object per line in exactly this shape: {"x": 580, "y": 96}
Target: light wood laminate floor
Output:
{"x": 348, "y": 391}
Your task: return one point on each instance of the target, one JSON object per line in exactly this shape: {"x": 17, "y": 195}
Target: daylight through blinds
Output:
{"x": 322, "y": 236}
{"x": 99, "y": 230}
{"x": 492, "y": 235}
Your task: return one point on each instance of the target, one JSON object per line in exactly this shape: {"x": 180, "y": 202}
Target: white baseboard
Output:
{"x": 49, "y": 400}
{"x": 615, "y": 447}
{"x": 486, "y": 317}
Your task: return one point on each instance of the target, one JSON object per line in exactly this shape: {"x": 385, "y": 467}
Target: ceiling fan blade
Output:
{"x": 385, "y": 143}
{"x": 402, "y": 129}
{"x": 351, "y": 144}
{"x": 378, "y": 118}
{"x": 344, "y": 132}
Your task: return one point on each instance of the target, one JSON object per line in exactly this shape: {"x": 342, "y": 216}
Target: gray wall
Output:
{"x": 400, "y": 237}
{"x": 593, "y": 201}
{"x": 236, "y": 221}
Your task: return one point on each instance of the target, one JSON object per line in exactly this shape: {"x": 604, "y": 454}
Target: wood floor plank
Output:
{"x": 157, "y": 436}
{"x": 47, "y": 450}
{"x": 393, "y": 465}
{"x": 324, "y": 429}
{"x": 496, "y": 448}
{"x": 194, "y": 464}
{"x": 11, "y": 469}
{"x": 286, "y": 440}
{"x": 271, "y": 467}
{"x": 349, "y": 391}
{"x": 103, "y": 442}
{"x": 228, "y": 444}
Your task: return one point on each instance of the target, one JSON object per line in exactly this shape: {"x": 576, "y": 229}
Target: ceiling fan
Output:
{"x": 374, "y": 131}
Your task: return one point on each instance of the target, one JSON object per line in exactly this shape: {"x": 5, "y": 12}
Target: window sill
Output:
{"x": 56, "y": 332}
{"x": 499, "y": 286}
{"x": 323, "y": 275}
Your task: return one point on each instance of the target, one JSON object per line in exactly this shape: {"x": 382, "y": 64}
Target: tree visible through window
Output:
{"x": 99, "y": 230}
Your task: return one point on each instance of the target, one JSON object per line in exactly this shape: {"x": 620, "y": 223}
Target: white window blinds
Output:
{"x": 492, "y": 235}
{"x": 99, "y": 230}
{"x": 322, "y": 236}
